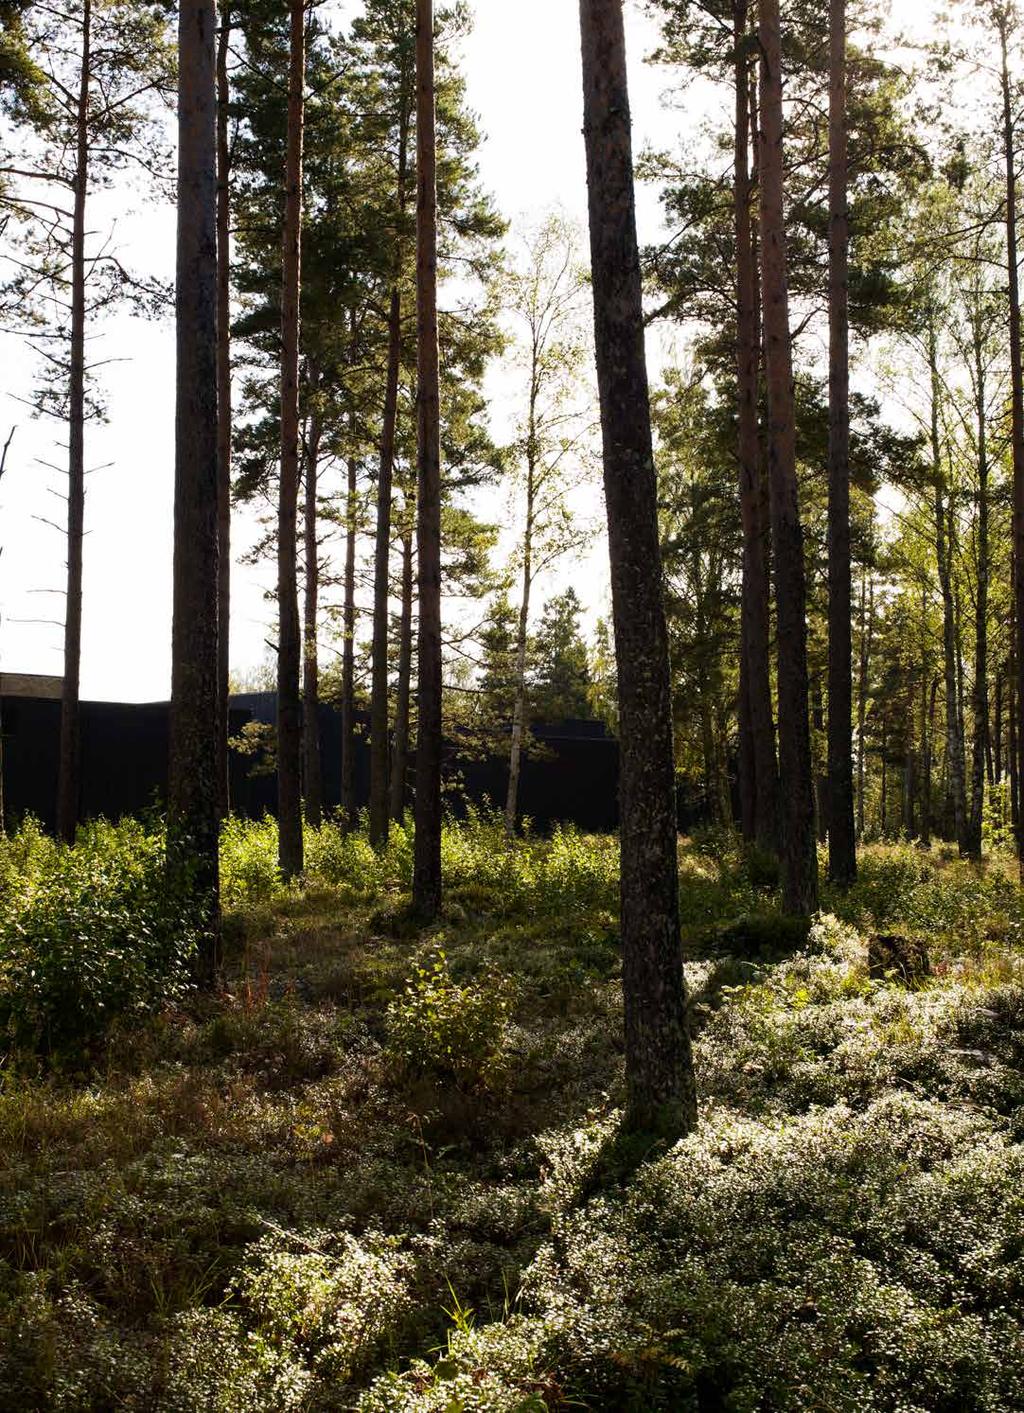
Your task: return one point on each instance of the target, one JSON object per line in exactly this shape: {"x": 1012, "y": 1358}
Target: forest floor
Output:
{"x": 373, "y": 1172}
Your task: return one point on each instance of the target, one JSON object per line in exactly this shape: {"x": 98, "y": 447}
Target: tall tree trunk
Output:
{"x": 379, "y": 744}
{"x": 820, "y": 775}
{"x": 997, "y": 731}
{"x": 523, "y": 625}
{"x": 68, "y": 778}
{"x": 1013, "y": 744}
{"x": 403, "y": 694}
{"x": 842, "y": 846}
{"x": 661, "y": 1090}
{"x": 943, "y": 556}
{"x": 311, "y": 614}
{"x": 961, "y": 672}
{"x": 194, "y": 776}
{"x": 759, "y": 780}
{"x": 922, "y": 763}
{"x": 349, "y": 803}
{"x": 980, "y": 690}
{"x": 224, "y": 399}
{"x": 769, "y": 807}
{"x": 866, "y": 624}
{"x": 427, "y": 866}
{"x": 799, "y": 849}
{"x": 927, "y": 753}
{"x": 289, "y": 644}
{"x": 1016, "y": 384}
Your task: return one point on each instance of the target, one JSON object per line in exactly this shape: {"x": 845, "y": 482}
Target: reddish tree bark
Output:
{"x": 224, "y": 397}
{"x": 379, "y": 743}
{"x": 842, "y": 840}
{"x": 427, "y": 865}
{"x": 403, "y": 695}
{"x": 759, "y": 777}
{"x": 799, "y": 849}
{"x": 313, "y": 773}
{"x": 289, "y": 642}
{"x": 349, "y": 804}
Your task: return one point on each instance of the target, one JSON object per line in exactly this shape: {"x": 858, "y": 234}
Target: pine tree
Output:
{"x": 560, "y": 679}
{"x": 194, "y": 777}
{"x": 842, "y": 858}
{"x": 661, "y": 1091}
{"x": 799, "y": 848}
{"x": 289, "y": 705}
{"x": 427, "y": 869}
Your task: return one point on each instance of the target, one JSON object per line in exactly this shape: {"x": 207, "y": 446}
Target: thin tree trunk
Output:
{"x": 746, "y": 407}
{"x": 997, "y": 731}
{"x": 403, "y": 695}
{"x": 349, "y": 803}
{"x": 926, "y": 765}
{"x": 1016, "y": 385}
{"x": 866, "y": 619}
{"x": 68, "y": 779}
{"x": 224, "y": 398}
{"x": 661, "y": 1090}
{"x": 289, "y": 645}
{"x": 922, "y": 764}
{"x": 961, "y": 678}
{"x": 427, "y": 866}
{"x": 800, "y": 858}
{"x": 769, "y": 816}
{"x": 759, "y": 780}
{"x": 1012, "y": 746}
{"x": 194, "y": 776}
{"x": 515, "y": 755}
{"x": 943, "y": 556}
{"x": 379, "y": 744}
{"x": 842, "y": 847}
{"x": 980, "y": 692}
{"x": 522, "y": 629}
{"x": 310, "y": 657}
{"x": 820, "y": 776}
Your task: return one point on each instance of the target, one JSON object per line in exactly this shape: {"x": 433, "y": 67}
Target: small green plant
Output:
{"x": 456, "y": 1032}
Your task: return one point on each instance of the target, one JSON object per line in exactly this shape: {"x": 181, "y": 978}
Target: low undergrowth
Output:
{"x": 366, "y": 1174}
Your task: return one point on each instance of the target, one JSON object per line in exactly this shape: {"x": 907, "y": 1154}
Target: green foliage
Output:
{"x": 249, "y": 871}
{"x": 89, "y": 934}
{"x": 454, "y": 1031}
{"x": 949, "y": 899}
{"x": 333, "y": 1297}
{"x": 240, "y": 1208}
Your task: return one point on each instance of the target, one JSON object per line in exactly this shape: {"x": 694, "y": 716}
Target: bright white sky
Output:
{"x": 523, "y": 71}
{"x": 532, "y": 159}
